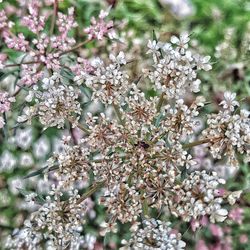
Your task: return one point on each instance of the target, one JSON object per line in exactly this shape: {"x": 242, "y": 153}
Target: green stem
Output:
{"x": 161, "y": 100}
{"x": 95, "y": 187}
{"x": 80, "y": 126}
{"x": 196, "y": 143}
{"x": 5, "y": 128}
{"x": 76, "y": 47}
{"x": 53, "y": 22}
{"x": 118, "y": 114}
{"x": 145, "y": 208}
{"x": 98, "y": 161}
{"x": 19, "y": 64}
{"x": 7, "y": 227}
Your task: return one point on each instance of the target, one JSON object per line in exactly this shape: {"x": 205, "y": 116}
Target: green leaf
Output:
{"x": 35, "y": 173}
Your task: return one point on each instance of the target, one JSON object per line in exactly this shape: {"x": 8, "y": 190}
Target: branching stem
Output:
{"x": 196, "y": 143}
{"x": 118, "y": 114}
{"x": 161, "y": 100}
{"x": 53, "y": 21}
{"x": 95, "y": 187}
{"x": 76, "y": 47}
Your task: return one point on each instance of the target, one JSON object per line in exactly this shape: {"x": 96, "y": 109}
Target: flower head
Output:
{"x": 5, "y": 101}
{"x": 100, "y": 28}
{"x": 154, "y": 234}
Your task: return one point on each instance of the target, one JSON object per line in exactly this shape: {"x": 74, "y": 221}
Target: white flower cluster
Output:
{"x": 140, "y": 158}
{"x": 55, "y": 104}
{"x": 123, "y": 202}
{"x": 61, "y": 219}
{"x": 155, "y": 235}
{"x": 175, "y": 67}
{"x": 104, "y": 133}
{"x": 107, "y": 82}
{"x": 197, "y": 196}
{"x": 182, "y": 118}
{"x": 73, "y": 165}
{"x": 140, "y": 111}
{"x": 229, "y": 132}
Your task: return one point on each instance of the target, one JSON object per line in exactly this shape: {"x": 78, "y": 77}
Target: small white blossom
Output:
{"x": 155, "y": 234}
{"x": 233, "y": 197}
{"x": 229, "y": 101}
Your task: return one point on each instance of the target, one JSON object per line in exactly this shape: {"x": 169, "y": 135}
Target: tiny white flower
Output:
{"x": 219, "y": 215}
{"x": 233, "y": 197}
{"x": 229, "y": 101}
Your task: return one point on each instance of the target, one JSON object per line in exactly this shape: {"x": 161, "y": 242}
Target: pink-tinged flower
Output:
{"x": 243, "y": 238}
{"x": 30, "y": 74}
{"x": 221, "y": 244}
{"x": 236, "y": 215}
{"x": 50, "y": 2}
{"x": 194, "y": 225}
{"x": 62, "y": 42}
{"x": 5, "y": 101}
{"x": 216, "y": 246}
{"x": 204, "y": 221}
{"x": 77, "y": 134}
{"x": 41, "y": 45}
{"x": 216, "y": 230}
{"x": 220, "y": 192}
{"x": 66, "y": 22}
{"x": 3, "y": 58}
{"x": 4, "y": 23}
{"x": 34, "y": 21}
{"x": 99, "y": 28}
{"x": 201, "y": 245}
{"x": 82, "y": 65}
{"x": 51, "y": 61}
{"x": 16, "y": 42}
{"x": 174, "y": 231}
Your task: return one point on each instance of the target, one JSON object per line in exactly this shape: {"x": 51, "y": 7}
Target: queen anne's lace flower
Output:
{"x": 56, "y": 104}
{"x": 107, "y": 82}
{"x": 155, "y": 234}
{"x": 175, "y": 67}
{"x": 140, "y": 158}
{"x": 140, "y": 110}
{"x": 44, "y": 52}
{"x": 181, "y": 119}
{"x": 61, "y": 218}
{"x": 66, "y": 22}
{"x": 4, "y": 23}
{"x": 18, "y": 43}
{"x": 104, "y": 133}
{"x": 229, "y": 102}
{"x": 228, "y": 132}
{"x": 123, "y": 203}
{"x": 34, "y": 21}
{"x": 73, "y": 165}
{"x": 197, "y": 197}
